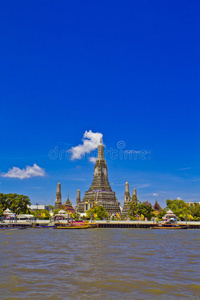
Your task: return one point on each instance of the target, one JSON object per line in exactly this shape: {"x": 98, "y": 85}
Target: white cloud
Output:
{"x": 154, "y": 194}
{"x": 93, "y": 159}
{"x": 178, "y": 198}
{"x": 27, "y": 172}
{"x": 90, "y": 142}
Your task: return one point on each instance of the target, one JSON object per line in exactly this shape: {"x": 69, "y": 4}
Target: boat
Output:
{"x": 78, "y": 225}
{"x": 12, "y": 228}
{"x": 173, "y": 227}
{"x": 43, "y": 226}
{"x": 170, "y": 224}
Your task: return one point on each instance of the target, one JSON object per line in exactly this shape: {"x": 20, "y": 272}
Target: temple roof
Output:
{"x": 157, "y": 206}
{"x": 62, "y": 211}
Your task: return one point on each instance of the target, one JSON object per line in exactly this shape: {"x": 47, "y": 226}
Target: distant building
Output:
{"x": 100, "y": 192}
{"x": 69, "y": 209}
{"x": 157, "y": 208}
{"x": 22, "y": 217}
{"x": 61, "y": 215}
{"x": 8, "y": 214}
{"x": 68, "y": 202}
{"x": 67, "y": 206}
{"x": 192, "y": 203}
{"x": 38, "y": 207}
{"x": 58, "y": 201}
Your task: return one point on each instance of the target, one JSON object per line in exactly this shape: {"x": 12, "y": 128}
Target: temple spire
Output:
{"x": 127, "y": 187}
{"x": 58, "y": 201}
{"x": 78, "y": 198}
{"x": 134, "y": 197}
{"x": 126, "y": 199}
{"x": 101, "y": 150}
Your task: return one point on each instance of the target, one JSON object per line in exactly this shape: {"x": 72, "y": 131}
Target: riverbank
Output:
{"x": 101, "y": 224}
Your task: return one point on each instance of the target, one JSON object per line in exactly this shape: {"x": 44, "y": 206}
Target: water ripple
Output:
{"x": 100, "y": 264}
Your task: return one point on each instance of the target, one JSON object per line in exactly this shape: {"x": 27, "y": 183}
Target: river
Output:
{"x": 100, "y": 264}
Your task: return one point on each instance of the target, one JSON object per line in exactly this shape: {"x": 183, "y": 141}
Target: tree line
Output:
{"x": 16, "y": 203}
{"x": 182, "y": 210}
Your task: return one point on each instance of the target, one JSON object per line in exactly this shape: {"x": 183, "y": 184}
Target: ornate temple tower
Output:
{"x": 127, "y": 193}
{"x": 78, "y": 199}
{"x": 134, "y": 197}
{"x": 127, "y": 200}
{"x": 58, "y": 201}
{"x": 100, "y": 191}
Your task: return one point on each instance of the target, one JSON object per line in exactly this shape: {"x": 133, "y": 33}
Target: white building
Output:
{"x": 38, "y": 207}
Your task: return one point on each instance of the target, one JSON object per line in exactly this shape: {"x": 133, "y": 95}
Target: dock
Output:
{"x": 101, "y": 224}
{"x": 140, "y": 224}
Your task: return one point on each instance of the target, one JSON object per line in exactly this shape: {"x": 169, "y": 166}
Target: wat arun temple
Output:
{"x": 100, "y": 192}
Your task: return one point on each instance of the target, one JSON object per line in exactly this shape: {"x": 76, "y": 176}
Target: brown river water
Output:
{"x": 100, "y": 264}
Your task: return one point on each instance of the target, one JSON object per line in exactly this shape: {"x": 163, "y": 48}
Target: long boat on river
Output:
{"x": 76, "y": 225}
{"x": 170, "y": 226}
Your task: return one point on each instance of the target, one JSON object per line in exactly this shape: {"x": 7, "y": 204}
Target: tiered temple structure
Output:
{"x": 68, "y": 202}
{"x": 100, "y": 192}
{"x": 127, "y": 199}
{"x": 157, "y": 208}
{"x": 58, "y": 201}
{"x": 78, "y": 199}
{"x": 134, "y": 197}
{"x": 68, "y": 207}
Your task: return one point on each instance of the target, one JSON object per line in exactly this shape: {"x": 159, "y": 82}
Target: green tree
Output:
{"x": 179, "y": 208}
{"x": 146, "y": 210}
{"x": 16, "y": 203}
{"x": 161, "y": 214}
{"x": 1, "y": 211}
{"x": 139, "y": 208}
{"x": 3, "y": 203}
{"x": 133, "y": 210}
{"x": 183, "y": 210}
{"x": 55, "y": 212}
{"x": 98, "y": 212}
{"x": 41, "y": 214}
{"x": 195, "y": 211}
{"x": 51, "y": 207}
{"x": 75, "y": 216}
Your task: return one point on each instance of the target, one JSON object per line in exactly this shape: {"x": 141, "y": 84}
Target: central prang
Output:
{"x": 100, "y": 191}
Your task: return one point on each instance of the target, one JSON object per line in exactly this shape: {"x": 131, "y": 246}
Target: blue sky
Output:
{"x": 129, "y": 70}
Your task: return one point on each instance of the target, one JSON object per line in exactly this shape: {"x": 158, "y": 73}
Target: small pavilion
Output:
{"x": 61, "y": 215}
{"x": 8, "y": 214}
{"x": 169, "y": 216}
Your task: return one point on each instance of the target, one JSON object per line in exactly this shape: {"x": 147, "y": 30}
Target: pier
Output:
{"x": 140, "y": 224}
{"x": 101, "y": 224}
{"x": 26, "y": 223}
